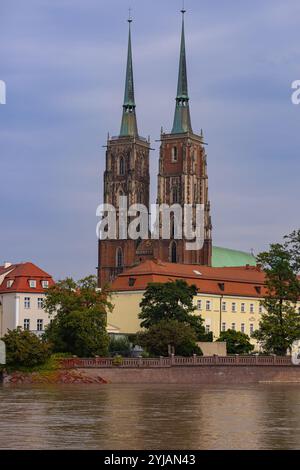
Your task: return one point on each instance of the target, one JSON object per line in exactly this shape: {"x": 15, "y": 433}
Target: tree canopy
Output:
{"x": 79, "y": 312}
{"x": 236, "y": 342}
{"x": 171, "y": 301}
{"x": 280, "y": 324}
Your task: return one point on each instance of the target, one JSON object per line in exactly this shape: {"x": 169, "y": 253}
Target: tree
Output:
{"x": 157, "y": 339}
{"x": 292, "y": 245}
{"x": 236, "y": 342}
{"x": 171, "y": 301}
{"x": 79, "y": 313}
{"x": 25, "y": 349}
{"x": 280, "y": 324}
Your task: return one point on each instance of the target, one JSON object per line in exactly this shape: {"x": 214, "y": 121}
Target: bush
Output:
{"x": 236, "y": 342}
{"x": 120, "y": 346}
{"x": 25, "y": 349}
{"x": 180, "y": 336}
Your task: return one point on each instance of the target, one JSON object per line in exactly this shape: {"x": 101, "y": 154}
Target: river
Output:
{"x": 152, "y": 417}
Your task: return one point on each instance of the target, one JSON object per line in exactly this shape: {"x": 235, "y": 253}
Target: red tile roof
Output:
{"x": 20, "y": 274}
{"x": 245, "y": 281}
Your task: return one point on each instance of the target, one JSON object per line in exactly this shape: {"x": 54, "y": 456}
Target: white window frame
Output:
{"x": 32, "y": 283}
{"x": 208, "y": 306}
{"x": 27, "y": 323}
{"x": 45, "y": 284}
{"x": 233, "y": 326}
{"x": 224, "y": 306}
{"x": 233, "y": 307}
{"x": 199, "y": 304}
{"x": 40, "y": 302}
{"x": 27, "y": 303}
{"x": 243, "y": 307}
{"x": 252, "y": 308}
{"x": 40, "y": 324}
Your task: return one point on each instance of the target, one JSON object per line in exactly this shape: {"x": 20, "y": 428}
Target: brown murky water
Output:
{"x": 150, "y": 417}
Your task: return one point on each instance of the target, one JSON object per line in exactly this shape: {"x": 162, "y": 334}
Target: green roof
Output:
{"x": 225, "y": 257}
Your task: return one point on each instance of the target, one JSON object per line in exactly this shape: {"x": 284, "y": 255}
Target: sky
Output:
{"x": 63, "y": 62}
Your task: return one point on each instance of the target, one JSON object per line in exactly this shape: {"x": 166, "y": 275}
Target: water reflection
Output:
{"x": 150, "y": 417}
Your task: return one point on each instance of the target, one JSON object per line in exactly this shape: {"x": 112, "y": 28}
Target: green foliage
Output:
{"x": 236, "y": 342}
{"x": 117, "y": 360}
{"x": 79, "y": 326}
{"x": 171, "y": 301}
{"x": 178, "y": 335}
{"x": 25, "y": 349}
{"x": 292, "y": 246}
{"x": 119, "y": 346}
{"x": 280, "y": 325}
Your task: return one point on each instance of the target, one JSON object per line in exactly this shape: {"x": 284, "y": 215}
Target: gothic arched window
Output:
{"x": 175, "y": 195}
{"x": 173, "y": 252}
{"x": 174, "y": 154}
{"x": 119, "y": 258}
{"x": 121, "y": 166}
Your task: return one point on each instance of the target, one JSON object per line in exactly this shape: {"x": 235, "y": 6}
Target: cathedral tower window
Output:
{"x": 174, "y": 154}
{"x": 121, "y": 166}
{"x": 173, "y": 252}
{"x": 119, "y": 258}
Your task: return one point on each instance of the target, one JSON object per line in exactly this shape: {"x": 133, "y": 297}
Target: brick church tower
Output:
{"x": 182, "y": 177}
{"x": 126, "y": 174}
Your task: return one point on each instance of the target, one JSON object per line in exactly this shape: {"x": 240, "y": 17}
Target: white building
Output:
{"x": 22, "y": 292}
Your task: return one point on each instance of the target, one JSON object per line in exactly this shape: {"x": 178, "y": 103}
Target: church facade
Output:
{"x": 182, "y": 179}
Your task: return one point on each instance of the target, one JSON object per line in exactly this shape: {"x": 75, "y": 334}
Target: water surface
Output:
{"x": 151, "y": 417}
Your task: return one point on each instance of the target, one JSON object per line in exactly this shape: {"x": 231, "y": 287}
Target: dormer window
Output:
{"x": 174, "y": 154}
{"x": 45, "y": 284}
{"x": 9, "y": 284}
{"x": 32, "y": 284}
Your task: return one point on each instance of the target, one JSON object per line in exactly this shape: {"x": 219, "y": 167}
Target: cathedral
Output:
{"x": 182, "y": 179}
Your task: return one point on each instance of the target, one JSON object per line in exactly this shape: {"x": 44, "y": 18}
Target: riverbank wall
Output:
{"x": 174, "y": 370}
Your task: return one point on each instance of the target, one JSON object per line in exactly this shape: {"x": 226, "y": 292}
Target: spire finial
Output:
{"x": 129, "y": 16}
{"x": 183, "y": 11}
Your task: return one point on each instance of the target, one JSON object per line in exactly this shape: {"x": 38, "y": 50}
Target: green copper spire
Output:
{"x": 129, "y": 124}
{"x": 182, "y": 118}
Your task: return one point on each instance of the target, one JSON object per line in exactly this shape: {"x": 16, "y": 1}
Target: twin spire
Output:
{"x": 129, "y": 123}
{"x": 182, "y": 119}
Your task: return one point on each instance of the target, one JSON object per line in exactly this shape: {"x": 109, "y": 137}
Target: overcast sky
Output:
{"x": 64, "y": 65}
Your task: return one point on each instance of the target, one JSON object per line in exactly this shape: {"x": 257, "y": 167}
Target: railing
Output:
{"x": 175, "y": 361}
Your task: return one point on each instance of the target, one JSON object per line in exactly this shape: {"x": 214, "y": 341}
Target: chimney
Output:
{"x": 7, "y": 265}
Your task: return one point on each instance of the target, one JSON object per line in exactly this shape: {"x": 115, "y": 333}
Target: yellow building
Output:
{"x": 228, "y": 297}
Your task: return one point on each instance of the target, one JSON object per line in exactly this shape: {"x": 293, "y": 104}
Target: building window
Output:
{"x": 243, "y": 308}
{"x": 121, "y": 166}
{"x": 261, "y": 310}
{"x": 243, "y": 327}
{"x": 223, "y": 306}
{"x": 9, "y": 284}
{"x": 40, "y": 302}
{"x": 223, "y": 326}
{"x": 251, "y": 308}
{"x": 233, "y": 326}
{"x": 233, "y": 307}
{"x": 208, "y": 305}
{"x": 119, "y": 258}
{"x": 27, "y": 302}
{"x": 45, "y": 284}
{"x": 174, "y": 154}
{"x": 207, "y": 329}
{"x": 26, "y": 324}
{"x": 251, "y": 328}
{"x": 173, "y": 252}
{"x": 175, "y": 195}
{"x": 32, "y": 284}
{"x": 39, "y": 325}
{"x": 199, "y": 304}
